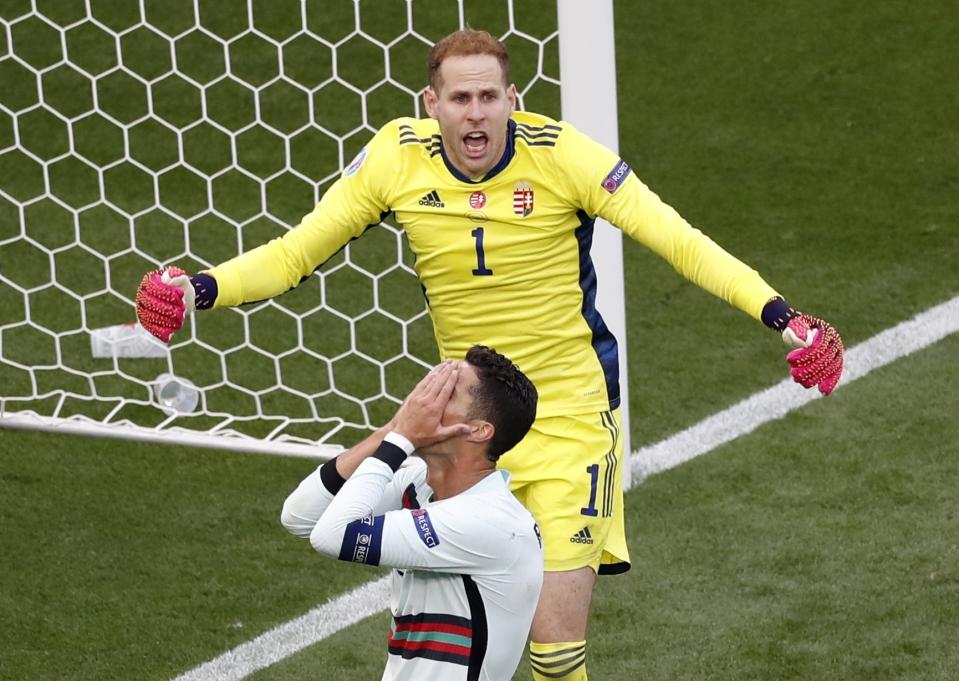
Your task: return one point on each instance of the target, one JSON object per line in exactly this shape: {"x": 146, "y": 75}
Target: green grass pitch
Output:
{"x": 817, "y": 141}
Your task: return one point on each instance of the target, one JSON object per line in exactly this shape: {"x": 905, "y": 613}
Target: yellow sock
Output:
{"x": 558, "y": 661}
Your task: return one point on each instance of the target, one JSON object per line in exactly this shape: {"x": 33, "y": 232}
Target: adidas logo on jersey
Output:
{"x": 582, "y": 537}
{"x": 432, "y": 200}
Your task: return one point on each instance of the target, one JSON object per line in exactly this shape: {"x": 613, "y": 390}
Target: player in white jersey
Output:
{"x": 467, "y": 556}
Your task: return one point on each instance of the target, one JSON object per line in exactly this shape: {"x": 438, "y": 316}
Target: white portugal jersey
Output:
{"x": 467, "y": 570}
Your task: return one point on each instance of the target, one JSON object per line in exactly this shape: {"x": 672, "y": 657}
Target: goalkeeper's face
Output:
{"x": 472, "y": 104}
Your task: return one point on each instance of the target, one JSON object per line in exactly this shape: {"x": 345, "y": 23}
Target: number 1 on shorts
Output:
{"x": 590, "y": 509}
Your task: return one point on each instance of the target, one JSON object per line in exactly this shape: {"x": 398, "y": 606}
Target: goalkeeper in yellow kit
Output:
{"x": 499, "y": 207}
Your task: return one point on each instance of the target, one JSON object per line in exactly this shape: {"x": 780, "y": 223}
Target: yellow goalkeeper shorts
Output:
{"x": 568, "y": 471}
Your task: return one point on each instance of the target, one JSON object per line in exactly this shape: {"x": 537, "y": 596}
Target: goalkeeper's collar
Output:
{"x": 504, "y": 160}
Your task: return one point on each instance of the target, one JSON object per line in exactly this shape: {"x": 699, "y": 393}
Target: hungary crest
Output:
{"x": 523, "y": 199}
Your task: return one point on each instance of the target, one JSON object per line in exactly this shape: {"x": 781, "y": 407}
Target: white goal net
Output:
{"x": 140, "y": 134}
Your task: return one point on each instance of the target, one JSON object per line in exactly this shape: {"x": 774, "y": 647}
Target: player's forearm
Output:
{"x": 282, "y": 263}
{"x": 707, "y": 265}
{"x": 264, "y": 272}
{"x": 305, "y": 505}
{"x": 347, "y": 462}
{"x": 232, "y": 277}
{"x": 644, "y": 217}
{"x": 357, "y": 498}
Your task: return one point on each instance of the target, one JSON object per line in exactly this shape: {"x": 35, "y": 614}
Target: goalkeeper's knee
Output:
{"x": 558, "y": 661}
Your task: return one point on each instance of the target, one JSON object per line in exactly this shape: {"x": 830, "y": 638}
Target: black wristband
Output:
{"x": 777, "y": 313}
{"x": 330, "y": 477}
{"x": 390, "y": 454}
{"x": 206, "y": 290}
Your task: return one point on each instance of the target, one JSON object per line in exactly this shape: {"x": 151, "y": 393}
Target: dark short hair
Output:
{"x": 504, "y": 396}
{"x": 465, "y": 43}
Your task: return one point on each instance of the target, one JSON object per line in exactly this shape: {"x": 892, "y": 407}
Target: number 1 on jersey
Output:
{"x": 481, "y": 269}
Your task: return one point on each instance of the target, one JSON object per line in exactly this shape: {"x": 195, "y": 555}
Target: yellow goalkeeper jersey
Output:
{"x": 504, "y": 261}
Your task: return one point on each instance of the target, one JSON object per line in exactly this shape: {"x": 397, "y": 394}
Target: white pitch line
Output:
{"x": 291, "y": 637}
{"x": 323, "y": 621}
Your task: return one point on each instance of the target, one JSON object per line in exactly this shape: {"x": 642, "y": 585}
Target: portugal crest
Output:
{"x": 523, "y": 199}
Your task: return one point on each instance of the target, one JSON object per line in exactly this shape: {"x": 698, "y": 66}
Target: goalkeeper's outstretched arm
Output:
{"x": 622, "y": 199}
{"x": 355, "y": 202}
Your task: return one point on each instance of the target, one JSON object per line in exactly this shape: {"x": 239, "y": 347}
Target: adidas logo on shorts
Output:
{"x": 582, "y": 537}
{"x": 432, "y": 200}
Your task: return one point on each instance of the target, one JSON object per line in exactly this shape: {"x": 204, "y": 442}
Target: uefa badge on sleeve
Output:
{"x": 523, "y": 199}
{"x": 355, "y": 164}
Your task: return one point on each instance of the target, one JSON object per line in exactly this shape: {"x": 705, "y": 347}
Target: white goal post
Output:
{"x": 589, "y": 102}
{"x": 134, "y": 135}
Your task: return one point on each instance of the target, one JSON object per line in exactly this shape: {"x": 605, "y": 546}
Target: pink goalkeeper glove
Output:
{"x": 164, "y": 299}
{"x": 818, "y": 357}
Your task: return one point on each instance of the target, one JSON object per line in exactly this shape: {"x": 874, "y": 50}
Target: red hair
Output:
{"x": 464, "y": 43}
